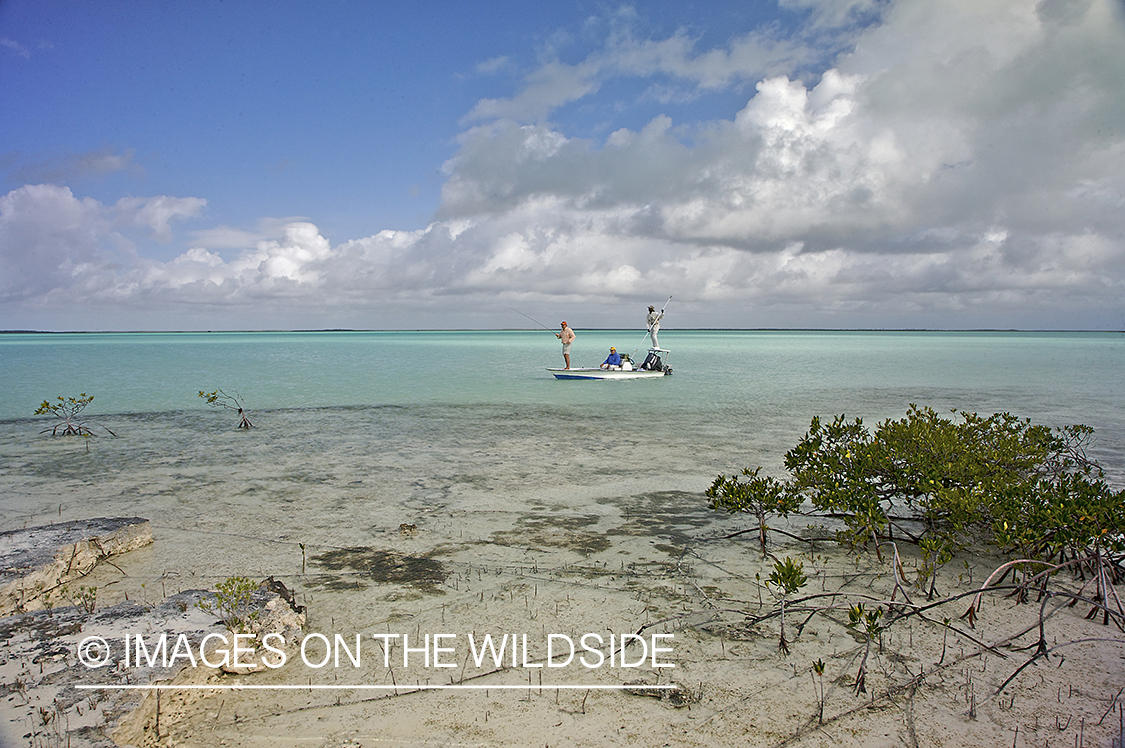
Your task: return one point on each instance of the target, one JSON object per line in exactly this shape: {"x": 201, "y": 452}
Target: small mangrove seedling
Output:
{"x": 232, "y": 603}
{"x": 787, "y": 577}
{"x": 818, "y": 671}
{"x": 945, "y": 623}
{"x": 84, "y": 598}
{"x": 220, "y": 399}
{"x": 937, "y": 551}
{"x": 760, "y": 496}
{"x": 67, "y": 412}
{"x": 865, "y": 624}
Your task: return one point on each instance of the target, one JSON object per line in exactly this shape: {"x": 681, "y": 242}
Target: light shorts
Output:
{"x": 566, "y": 348}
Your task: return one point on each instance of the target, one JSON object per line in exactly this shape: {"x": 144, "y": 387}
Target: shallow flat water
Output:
{"x": 465, "y": 432}
{"x": 528, "y": 502}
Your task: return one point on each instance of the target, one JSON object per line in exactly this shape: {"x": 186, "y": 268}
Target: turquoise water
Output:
{"x": 357, "y": 432}
{"x": 157, "y": 372}
{"x": 1053, "y": 377}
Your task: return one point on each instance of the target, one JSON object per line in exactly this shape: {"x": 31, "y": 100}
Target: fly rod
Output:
{"x": 548, "y": 329}
{"x": 649, "y": 330}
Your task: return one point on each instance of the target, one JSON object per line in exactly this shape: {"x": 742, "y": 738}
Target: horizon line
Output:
{"x": 533, "y": 329}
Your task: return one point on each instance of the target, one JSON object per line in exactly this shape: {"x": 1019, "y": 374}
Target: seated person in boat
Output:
{"x": 613, "y": 361}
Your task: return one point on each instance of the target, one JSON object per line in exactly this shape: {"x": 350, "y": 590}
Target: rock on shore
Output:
{"x": 73, "y": 675}
{"x": 35, "y": 562}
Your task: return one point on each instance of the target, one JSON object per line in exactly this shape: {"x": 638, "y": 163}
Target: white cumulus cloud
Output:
{"x": 953, "y": 163}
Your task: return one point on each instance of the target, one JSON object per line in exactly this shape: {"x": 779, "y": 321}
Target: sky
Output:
{"x": 934, "y": 164}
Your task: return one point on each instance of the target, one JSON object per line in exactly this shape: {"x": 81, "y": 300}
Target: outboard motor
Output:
{"x": 653, "y": 363}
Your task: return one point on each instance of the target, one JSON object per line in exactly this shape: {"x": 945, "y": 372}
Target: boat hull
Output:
{"x": 578, "y": 373}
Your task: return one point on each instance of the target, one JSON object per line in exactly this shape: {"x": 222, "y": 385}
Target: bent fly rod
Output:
{"x": 548, "y": 329}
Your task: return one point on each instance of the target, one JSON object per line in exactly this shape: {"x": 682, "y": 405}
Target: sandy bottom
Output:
{"x": 504, "y": 537}
{"x": 661, "y": 567}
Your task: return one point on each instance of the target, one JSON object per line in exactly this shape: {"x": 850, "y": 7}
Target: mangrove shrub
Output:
{"x": 941, "y": 482}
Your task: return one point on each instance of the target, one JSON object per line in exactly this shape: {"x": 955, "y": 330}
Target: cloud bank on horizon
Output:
{"x": 907, "y": 163}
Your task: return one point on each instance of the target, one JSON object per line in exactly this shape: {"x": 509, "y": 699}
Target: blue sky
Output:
{"x": 855, "y": 163}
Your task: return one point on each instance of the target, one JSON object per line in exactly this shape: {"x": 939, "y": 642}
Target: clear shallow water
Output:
{"x": 751, "y": 380}
{"x": 548, "y": 486}
{"x": 159, "y": 372}
{"x": 466, "y": 433}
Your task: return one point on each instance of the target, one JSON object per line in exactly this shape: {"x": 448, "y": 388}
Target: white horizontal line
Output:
{"x": 359, "y": 687}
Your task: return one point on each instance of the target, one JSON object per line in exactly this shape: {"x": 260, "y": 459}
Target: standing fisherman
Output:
{"x": 566, "y": 335}
{"x": 654, "y": 318}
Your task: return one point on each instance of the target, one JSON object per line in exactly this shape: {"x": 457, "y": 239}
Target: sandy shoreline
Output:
{"x": 662, "y": 569}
